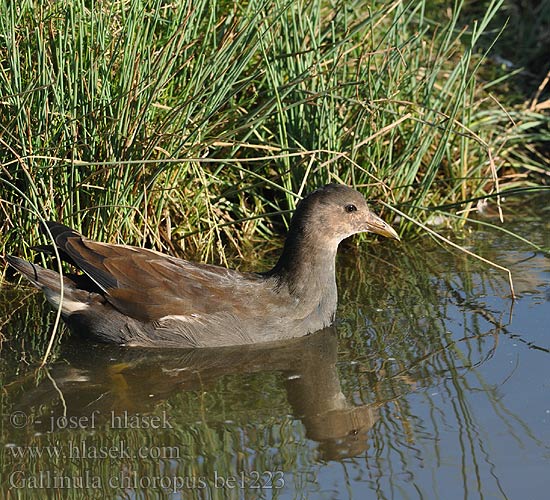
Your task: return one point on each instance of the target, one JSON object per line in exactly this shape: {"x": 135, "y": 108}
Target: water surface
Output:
{"x": 433, "y": 384}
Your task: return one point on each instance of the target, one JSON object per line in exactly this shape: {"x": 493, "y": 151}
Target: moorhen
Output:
{"x": 138, "y": 297}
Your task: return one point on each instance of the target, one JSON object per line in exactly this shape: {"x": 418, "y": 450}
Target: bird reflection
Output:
{"x": 106, "y": 380}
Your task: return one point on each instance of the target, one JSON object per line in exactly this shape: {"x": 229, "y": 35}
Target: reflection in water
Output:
{"x": 111, "y": 382}
{"x": 228, "y": 408}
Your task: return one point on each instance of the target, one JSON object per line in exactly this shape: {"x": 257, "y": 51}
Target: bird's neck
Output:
{"x": 307, "y": 268}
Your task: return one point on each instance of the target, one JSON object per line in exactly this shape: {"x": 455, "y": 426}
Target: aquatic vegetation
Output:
{"x": 177, "y": 126}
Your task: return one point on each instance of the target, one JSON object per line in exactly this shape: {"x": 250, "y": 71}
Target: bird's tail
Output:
{"x": 36, "y": 274}
{"x": 50, "y": 283}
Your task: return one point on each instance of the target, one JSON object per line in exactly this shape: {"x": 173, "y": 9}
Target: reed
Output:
{"x": 178, "y": 125}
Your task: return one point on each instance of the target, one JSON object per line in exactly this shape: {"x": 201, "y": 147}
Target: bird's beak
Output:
{"x": 375, "y": 224}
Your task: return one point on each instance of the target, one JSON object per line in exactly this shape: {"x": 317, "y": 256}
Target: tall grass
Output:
{"x": 177, "y": 125}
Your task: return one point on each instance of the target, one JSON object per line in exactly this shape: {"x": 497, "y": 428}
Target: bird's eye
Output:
{"x": 350, "y": 208}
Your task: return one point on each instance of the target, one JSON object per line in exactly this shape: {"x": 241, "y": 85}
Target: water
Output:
{"x": 433, "y": 385}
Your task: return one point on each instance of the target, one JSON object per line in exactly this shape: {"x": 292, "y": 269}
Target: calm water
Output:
{"x": 433, "y": 385}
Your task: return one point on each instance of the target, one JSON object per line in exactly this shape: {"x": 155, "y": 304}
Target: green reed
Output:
{"x": 178, "y": 125}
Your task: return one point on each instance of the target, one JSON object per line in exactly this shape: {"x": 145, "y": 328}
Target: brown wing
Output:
{"x": 148, "y": 285}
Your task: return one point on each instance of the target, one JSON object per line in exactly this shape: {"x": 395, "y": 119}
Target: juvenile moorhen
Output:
{"x": 138, "y": 297}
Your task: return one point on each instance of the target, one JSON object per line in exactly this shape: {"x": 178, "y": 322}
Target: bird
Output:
{"x": 135, "y": 296}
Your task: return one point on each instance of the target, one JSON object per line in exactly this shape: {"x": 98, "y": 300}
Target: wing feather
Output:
{"x": 148, "y": 285}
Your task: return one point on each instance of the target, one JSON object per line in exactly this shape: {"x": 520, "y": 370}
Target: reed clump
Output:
{"x": 178, "y": 125}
